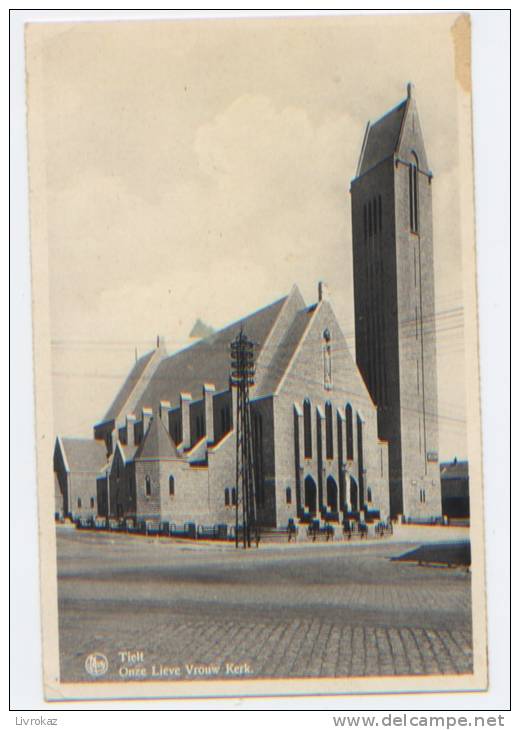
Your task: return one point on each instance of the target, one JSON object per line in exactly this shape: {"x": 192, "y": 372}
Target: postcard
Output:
{"x": 256, "y": 356}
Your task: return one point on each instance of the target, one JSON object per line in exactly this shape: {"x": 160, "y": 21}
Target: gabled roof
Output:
{"x": 157, "y": 443}
{"x": 206, "y": 361}
{"x": 127, "y": 387}
{"x": 284, "y": 352}
{"x": 84, "y": 455}
{"x": 382, "y": 138}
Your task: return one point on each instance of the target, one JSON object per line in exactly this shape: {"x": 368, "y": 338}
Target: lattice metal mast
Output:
{"x": 242, "y": 377}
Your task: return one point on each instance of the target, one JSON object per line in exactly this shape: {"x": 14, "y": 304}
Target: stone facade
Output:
{"x": 395, "y": 303}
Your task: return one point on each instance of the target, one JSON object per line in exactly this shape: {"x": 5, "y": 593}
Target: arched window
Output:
{"x": 310, "y": 495}
{"x": 226, "y": 497}
{"x": 172, "y": 485}
{"x": 350, "y": 432}
{"x": 332, "y": 494}
{"x": 234, "y": 496}
{"x": 92, "y": 502}
{"x": 307, "y": 429}
{"x": 413, "y": 194}
{"x": 369, "y": 494}
{"x": 288, "y": 495}
{"x": 148, "y": 486}
{"x": 79, "y": 502}
{"x": 329, "y": 439}
{"x": 339, "y": 437}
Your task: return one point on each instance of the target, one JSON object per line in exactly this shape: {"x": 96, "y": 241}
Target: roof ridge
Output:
{"x": 230, "y": 325}
{"x": 403, "y": 102}
{"x": 408, "y": 101}
{"x": 382, "y": 137}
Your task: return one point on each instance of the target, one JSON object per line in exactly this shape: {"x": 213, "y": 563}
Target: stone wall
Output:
{"x": 305, "y": 379}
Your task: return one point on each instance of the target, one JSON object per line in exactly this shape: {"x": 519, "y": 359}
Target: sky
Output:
{"x": 199, "y": 169}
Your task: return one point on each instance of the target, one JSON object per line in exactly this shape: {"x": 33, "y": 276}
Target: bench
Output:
{"x": 84, "y": 523}
{"x": 188, "y": 530}
{"x": 206, "y": 533}
{"x": 320, "y": 532}
{"x": 355, "y": 530}
{"x": 382, "y": 529}
{"x": 151, "y": 527}
{"x": 276, "y": 534}
{"x": 115, "y": 525}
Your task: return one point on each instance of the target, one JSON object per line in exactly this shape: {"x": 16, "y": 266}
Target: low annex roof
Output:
{"x": 84, "y": 455}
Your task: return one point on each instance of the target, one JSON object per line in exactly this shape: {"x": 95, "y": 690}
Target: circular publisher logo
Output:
{"x": 96, "y": 665}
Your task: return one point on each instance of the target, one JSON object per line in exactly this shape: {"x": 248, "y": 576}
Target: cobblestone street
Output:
{"x": 313, "y": 611}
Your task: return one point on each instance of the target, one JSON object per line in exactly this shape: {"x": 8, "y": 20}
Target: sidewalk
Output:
{"x": 406, "y": 534}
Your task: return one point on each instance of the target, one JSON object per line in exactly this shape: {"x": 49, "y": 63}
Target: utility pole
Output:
{"x": 242, "y": 377}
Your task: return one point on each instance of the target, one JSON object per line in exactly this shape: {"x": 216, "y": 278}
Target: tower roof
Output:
{"x": 384, "y": 137}
{"x": 157, "y": 443}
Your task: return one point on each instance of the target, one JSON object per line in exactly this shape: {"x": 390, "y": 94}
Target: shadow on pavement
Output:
{"x": 443, "y": 554}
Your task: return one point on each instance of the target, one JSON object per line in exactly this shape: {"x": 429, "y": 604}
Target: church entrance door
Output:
{"x": 311, "y": 494}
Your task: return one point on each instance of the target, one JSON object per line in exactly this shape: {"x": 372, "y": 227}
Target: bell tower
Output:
{"x": 394, "y": 299}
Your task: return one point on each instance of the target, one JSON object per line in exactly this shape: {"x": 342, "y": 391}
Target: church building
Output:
{"x": 333, "y": 437}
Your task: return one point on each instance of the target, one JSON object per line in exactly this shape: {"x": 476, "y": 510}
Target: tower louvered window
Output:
{"x": 414, "y": 199}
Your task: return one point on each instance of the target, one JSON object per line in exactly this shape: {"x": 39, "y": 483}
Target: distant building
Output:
{"x": 455, "y": 488}
{"x": 77, "y": 463}
{"x": 332, "y": 438}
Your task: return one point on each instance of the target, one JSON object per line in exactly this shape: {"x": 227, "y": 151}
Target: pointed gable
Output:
{"x": 398, "y": 132}
{"x": 285, "y": 352}
{"x": 157, "y": 443}
{"x": 411, "y": 143}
